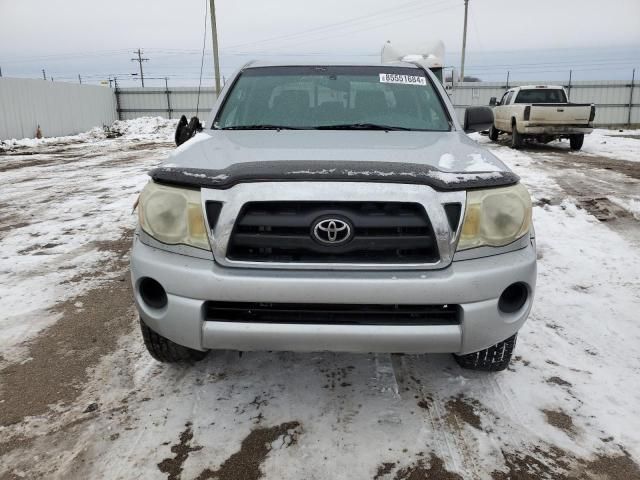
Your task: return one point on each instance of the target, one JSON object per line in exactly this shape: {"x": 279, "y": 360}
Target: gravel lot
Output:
{"x": 80, "y": 397}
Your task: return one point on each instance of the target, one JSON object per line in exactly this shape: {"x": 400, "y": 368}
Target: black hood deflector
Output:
{"x": 330, "y": 171}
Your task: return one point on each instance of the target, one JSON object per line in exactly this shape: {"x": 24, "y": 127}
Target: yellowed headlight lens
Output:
{"x": 173, "y": 215}
{"x": 495, "y": 217}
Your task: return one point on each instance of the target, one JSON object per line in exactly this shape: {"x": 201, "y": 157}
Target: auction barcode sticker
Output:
{"x": 403, "y": 79}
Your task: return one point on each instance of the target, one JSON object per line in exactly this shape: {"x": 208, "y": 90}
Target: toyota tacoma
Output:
{"x": 335, "y": 208}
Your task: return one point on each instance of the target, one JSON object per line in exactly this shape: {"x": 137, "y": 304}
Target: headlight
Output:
{"x": 495, "y": 217}
{"x": 173, "y": 215}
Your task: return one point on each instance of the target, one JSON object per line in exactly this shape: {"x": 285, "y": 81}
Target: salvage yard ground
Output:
{"x": 80, "y": 397}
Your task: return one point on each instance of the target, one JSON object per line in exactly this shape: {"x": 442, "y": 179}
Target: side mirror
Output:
{"x": 493, "y": 102}
{"x": 477, "y": 119}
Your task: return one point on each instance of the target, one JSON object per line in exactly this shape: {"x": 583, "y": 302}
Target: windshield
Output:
{"x": 390, "y": 98}
{"x": 541, "y": 95}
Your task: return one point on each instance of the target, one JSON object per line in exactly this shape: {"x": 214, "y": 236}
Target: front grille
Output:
{"x": 383, "y": 232}
{"x": 335, "y": 314}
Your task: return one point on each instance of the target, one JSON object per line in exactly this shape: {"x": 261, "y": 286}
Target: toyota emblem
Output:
{"x": 332, "y": 231}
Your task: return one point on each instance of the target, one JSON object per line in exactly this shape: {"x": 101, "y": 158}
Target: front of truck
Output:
{"x": 335, "y": 207}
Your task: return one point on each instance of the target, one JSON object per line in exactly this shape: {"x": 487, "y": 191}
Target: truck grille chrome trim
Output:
{"x": 424, "y": 238}
{"x": 383, "y": 232}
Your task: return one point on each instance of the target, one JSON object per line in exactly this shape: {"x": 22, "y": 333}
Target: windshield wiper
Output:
{"x": 360, "y": 126}
{"x": 259, "y": 127}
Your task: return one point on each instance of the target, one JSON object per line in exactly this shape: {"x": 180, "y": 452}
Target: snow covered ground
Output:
{"x": 621, "y": 145}
{"x": 569, "y": 406}
{"x": 61, "y": 197}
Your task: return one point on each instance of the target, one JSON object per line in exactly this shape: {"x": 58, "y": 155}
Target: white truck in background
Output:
{"x": 541, "y": 113}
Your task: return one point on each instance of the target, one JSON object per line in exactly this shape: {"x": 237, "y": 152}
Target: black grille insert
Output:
{"x": 384, "y": 232}
{"x": 338, "y": 314}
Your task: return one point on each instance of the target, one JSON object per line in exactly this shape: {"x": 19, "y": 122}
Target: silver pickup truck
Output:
{"x": 541, "y": 113}
{"x": 335, "y": 208}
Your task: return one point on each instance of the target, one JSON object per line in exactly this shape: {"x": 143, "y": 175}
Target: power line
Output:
{"x": 475, "y": 28}
{"x": 328, "y": 26}
{"x": 327, "y": 31}
{"x": 140, "y": 60}
{"x": 204, "y": 42}
{"x": 385, "y": 23}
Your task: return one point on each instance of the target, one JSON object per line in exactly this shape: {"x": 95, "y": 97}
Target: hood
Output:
{"x": 443, "y": 151}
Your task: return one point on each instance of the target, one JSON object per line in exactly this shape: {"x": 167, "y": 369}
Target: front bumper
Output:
{"x": 475, "y": 285}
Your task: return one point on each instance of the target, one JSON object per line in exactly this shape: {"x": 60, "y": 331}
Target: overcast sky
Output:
{"x": 39, "y": 32}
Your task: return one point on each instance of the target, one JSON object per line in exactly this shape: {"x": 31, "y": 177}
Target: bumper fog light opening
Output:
{"x": 152, "y": 293}
{"x": 513, "y": 298}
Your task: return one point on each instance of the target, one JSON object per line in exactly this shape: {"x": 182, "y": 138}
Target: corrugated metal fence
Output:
{"x": 59, "y": 108}
{"x": 64, "y": 109}
{"x": 614, "y": 103}
{"x": 612, "y": 98}
{"x": 165, "y": 102}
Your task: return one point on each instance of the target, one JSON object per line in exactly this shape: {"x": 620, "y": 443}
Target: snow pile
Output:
{"x": 631, "y": 205}
{"x": 146, "y": 128}
{"x": 619, "y": 145}
{"x": 143, "y": 128}
{"x": 96, "y": 133}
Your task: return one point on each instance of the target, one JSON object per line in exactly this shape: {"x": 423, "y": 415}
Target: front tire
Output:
{"x": 166, "y": 351}
{"x": 493, "y": 133}
{"x": 492, "y": 359}
{"x": 576, "y": 141}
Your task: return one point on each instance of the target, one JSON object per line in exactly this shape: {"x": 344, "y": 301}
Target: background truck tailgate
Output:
{"x": 560, "y": 114}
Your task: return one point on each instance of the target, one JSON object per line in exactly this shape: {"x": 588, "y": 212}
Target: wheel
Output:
{"x": 493, "y": 133}
{"x": 576, "y": 141}
{"x": 492, "y": 359}
{"x": 516, "y": 138}
{"x": 164, "y": 350}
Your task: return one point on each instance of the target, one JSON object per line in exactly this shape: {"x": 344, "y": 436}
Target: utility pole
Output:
{"x": 117, "y": 93}
{"x": 214, "y": 38}
{"x": 80, "y": 79}
{"x": 44, "y": 75}
{"x": 633, "y": 79}
{"x": 0, "y": 71}
{"x": 140, "y": 60}
{"x": 168, "y": 93}
{"x": 464, "y": 39}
